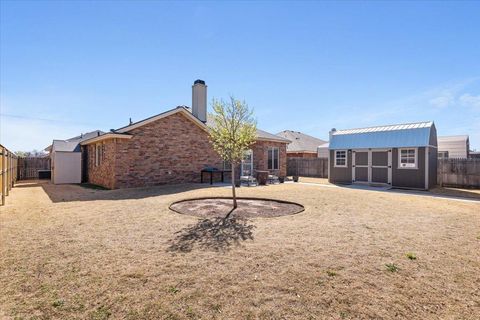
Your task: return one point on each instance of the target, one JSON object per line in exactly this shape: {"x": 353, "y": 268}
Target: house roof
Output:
{"x": 107, "y": 135}
{"x": 73, "y": 144}
{"x": 64, "y": 145}
{"x": 180, "y": 109}
{"x": 122, "y": 132}
{"x": 261, "y": 135}
{"x": 390, "y": 136}
{"x": 324, "y": 146}
{"x": 300, "y": 142}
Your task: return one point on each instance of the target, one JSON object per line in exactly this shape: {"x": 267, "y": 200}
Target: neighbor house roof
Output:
{"x": 73, "y": 144}
{"x": 300, "y": 142}
{"x": 390, "y": 136}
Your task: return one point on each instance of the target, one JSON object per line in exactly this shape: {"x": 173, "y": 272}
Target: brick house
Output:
{"x": 171, "y": 147}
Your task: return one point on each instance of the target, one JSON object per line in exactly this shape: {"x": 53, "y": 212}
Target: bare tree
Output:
{"x": 233, "y": 132}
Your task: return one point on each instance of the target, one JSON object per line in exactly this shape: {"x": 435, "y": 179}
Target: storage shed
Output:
{"x": 66, "y": 158}
{"x": 403, "y": 156}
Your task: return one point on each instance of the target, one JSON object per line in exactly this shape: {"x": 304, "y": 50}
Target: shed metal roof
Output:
{"x": 390, "y": 136}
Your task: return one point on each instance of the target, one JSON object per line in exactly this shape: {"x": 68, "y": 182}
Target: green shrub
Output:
{"x": 411, "y": 256}
{"x": 58, "y": 303}
{"x": 331, "y": 273}
{"x": 173, "y": 289}
{"x": 391, "y": 267}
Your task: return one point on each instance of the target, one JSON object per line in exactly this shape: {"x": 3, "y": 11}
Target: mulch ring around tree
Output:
{"x": 247, "y": 207}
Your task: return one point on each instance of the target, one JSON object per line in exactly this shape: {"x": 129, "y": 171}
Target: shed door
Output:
{"x": 380, "y": 166}
{"x": 360, "y": 166}
{"x": 372, "y": 166}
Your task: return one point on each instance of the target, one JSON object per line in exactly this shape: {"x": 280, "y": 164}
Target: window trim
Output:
{"x": 98, "y": 150}
{"x": 445, "y": 155}
{"x": 272, "y": 150}
{"x": 249, "y": 163}
{"x": 400, "y": 159}
{"x": 335, "y": 159}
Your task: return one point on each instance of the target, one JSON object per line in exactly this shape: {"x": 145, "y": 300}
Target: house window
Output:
{"x": 407, "y": 158}
{"x": 247, "y": 163}
{"x": 227, "y": 165}
{"x": 341, "y": 158}
{"x": 443, "y": 155}
{"x": 273, "y": 158}
{"x": 98, "y": 154}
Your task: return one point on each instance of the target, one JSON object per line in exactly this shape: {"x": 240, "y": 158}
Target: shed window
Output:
{"x": 273, "y": 158}
{"x": 407, "y": 158}
{"x": 340, "y": 158}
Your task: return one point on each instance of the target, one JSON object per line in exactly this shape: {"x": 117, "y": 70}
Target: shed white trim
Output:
{"x": 399, "y": 165}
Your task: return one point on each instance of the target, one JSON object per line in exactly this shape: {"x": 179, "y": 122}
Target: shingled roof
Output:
{"x": 261, "y": 135}
{"x": 300, "y": 142}
{"x": 73, "y": 144}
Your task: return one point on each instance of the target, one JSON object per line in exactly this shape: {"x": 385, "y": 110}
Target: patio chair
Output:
{"x": 273, "y": 179}
{"x": 248, "y": 181}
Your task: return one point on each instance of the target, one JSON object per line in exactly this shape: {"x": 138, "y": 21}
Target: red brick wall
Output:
{"x": 103, "y": 174}
{"x": 260, "y": 156}
{"x": 169, "y": 150}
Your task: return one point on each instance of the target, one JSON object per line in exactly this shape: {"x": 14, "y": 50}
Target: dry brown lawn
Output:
{"x": 69, "y": 252}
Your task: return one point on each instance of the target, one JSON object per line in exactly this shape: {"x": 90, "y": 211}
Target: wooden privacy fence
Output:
{"x": 8, "y": 171}
{"x": 28, "y": 167}
{"x": 459, "y": 173}
{"x": 307, "y": 167}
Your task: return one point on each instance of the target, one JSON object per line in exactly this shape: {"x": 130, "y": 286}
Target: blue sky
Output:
{"x": 71, "y": 67}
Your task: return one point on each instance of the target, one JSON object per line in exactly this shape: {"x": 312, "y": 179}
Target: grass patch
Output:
{"x": 101, "y": 313}
{"x": 411, "y": 256}
{"x": 58, "y": 303}
{"x": 392, "y": 267}
{"x": 331, "y": 273}
{"x": 173, "y": 289}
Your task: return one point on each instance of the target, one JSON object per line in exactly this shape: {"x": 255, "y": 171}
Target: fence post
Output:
{"x": 4, "y": 180}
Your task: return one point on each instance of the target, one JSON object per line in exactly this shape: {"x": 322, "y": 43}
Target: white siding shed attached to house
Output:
{"x": 66, "y": 167}
{"x": 66, "y": 159}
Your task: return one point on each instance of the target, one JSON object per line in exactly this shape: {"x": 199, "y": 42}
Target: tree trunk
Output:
{"x": 233, "y": 187}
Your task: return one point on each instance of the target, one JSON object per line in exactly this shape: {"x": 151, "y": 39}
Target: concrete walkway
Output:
{"x": 396, "y": 191}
